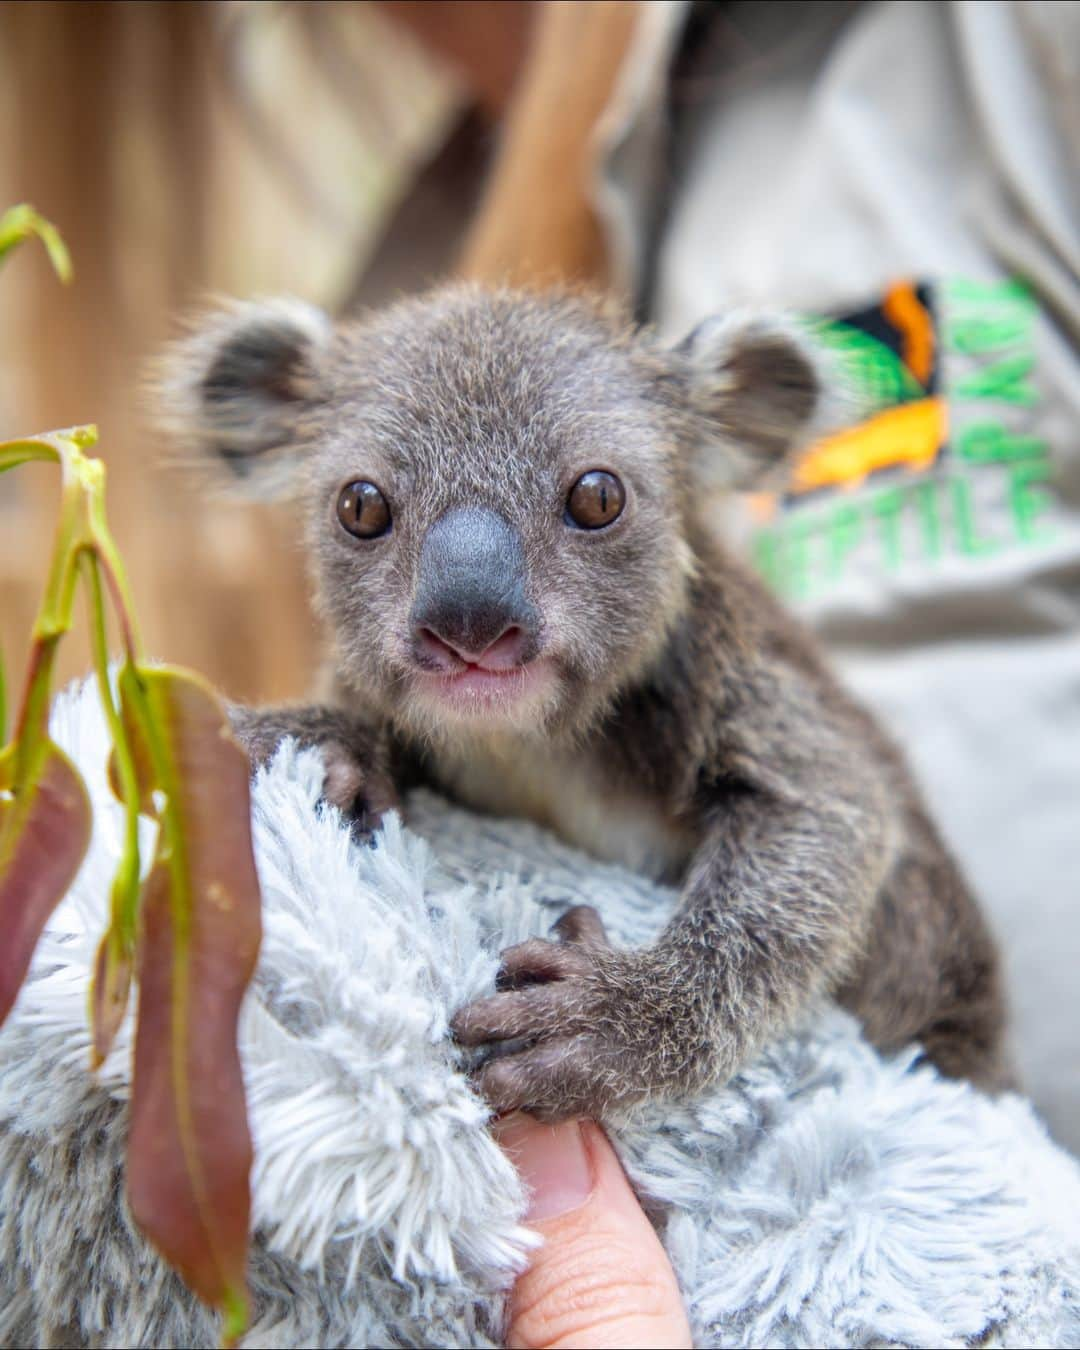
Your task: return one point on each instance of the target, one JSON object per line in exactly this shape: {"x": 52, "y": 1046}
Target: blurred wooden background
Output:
{"x": 343, "y": 152}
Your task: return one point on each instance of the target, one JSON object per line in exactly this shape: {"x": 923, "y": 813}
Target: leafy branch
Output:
{"x": 187, "y": 934}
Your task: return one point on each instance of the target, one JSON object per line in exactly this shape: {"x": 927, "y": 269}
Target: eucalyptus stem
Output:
{"x": 125, "y": 890}
{"x": 108, "y": 558}
{"x": 54, "y": 616}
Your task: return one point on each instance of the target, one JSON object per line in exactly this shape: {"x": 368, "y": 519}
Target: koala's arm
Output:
{"x": 356, "y": 753}
{"x": 775, "y": 909}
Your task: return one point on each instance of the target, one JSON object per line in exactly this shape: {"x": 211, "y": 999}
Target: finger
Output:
{"x": 601, "y": 1278}
{"x": 537, "y": 960}
{"x": 582, "y": 924}
{"x": 502, "y": 1017}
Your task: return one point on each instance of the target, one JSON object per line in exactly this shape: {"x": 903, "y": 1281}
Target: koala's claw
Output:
{"x": 358, "y": 793}
{"x": 362, "y": 795}
{"x": 582, "y": 923}
{"x": 344, "y": 779}
{"x": 549, "y": 999}
{"x": 537, "y": 961}
{"x": 356, "y": 773}
{"x": 554, "y": 1081}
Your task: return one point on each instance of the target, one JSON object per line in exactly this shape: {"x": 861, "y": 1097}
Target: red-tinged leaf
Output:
{"x": 108, "y": 994}
{"x": 189, "y": 1149}
{"x": 44, "y": 834}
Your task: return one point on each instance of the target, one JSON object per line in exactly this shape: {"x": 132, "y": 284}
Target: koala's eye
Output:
{"x": 596, "y": 499}
{"x": 362, "y": 510}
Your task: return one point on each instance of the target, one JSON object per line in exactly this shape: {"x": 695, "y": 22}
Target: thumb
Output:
{"x": 601, "y": 1278}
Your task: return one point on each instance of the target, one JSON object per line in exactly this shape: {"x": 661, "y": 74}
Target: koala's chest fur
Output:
{"x": 573, "y": 797}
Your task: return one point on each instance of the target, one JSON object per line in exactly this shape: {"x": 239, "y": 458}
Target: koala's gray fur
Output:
{"x": 684, "y": 723}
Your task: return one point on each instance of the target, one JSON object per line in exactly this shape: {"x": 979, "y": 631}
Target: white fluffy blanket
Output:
{"x": 825, "y": 1197}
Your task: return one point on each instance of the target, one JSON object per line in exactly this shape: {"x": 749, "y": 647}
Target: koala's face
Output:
{"x": 495, "y": 512}
{"x": 497, "y": 489}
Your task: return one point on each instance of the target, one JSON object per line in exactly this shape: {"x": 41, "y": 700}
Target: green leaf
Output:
{"x": 44, "y": 833}
{"x": 22, "y": 222}
{"x": 189, "y": 1149}
{"x": 14, "y": 453}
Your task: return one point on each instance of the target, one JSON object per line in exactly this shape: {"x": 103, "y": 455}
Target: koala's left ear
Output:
{"x": 240, "y": 389}
{"x": 756, "y": 390}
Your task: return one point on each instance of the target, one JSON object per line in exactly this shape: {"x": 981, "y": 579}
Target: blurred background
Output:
{"x": 330, "y": 150}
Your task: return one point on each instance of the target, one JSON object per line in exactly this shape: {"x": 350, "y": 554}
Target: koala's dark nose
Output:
{"x": 507, "y": 652}
{"x": 470, "y": 602}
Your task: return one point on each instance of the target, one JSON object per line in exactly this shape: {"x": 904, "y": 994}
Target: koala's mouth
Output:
{"x": 480, "y": 673}
{"x": 477, "y": 690}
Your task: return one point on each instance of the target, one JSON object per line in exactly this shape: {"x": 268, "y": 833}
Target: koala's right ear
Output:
{"x": 241, "y": 389}
{"x": 758, "y": 389}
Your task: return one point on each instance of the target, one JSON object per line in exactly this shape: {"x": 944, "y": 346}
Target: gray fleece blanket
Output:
{"x": 824, "y": 1197}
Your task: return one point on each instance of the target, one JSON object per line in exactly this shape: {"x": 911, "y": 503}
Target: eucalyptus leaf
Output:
{"x": 22, "y": 222}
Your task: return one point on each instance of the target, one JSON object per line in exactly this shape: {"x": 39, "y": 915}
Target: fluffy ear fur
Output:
{"x": 240, "y": 389}
{"x": 756, "y": 389}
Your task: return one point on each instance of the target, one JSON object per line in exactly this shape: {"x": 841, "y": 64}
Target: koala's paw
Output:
{"x": 557, "y": 1026}
{"x": 360, "y": 792}
{"x": 357, "y": 780}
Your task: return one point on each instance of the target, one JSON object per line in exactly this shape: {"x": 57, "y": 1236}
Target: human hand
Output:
{"x": 601, "y": 1279}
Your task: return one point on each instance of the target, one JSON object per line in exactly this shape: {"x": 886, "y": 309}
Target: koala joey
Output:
{"x": 502, "y": 496}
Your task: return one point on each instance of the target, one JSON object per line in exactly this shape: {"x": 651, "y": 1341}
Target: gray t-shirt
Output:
{"x": 911, "y": 172}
